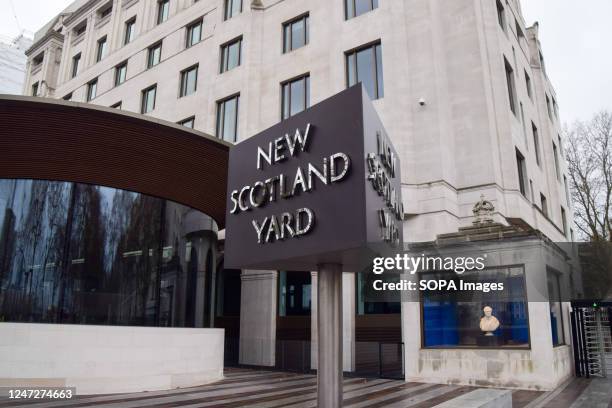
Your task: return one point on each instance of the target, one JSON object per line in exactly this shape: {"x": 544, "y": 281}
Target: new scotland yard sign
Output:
{"x": 320, "y": 187}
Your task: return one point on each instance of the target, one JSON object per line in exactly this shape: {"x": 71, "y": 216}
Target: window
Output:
{"x": 116, "y": 105}
{"x": 105, "y": 11}
{"x": 230, "y": 55}
{"x": 563, "y": 220}
{"x": 452, "y": 318}
{"x": 36, "y": 61}
{"x": 80, "y": 29}
{"x": 227, "y": 119}
{"x": 365, "y": 65}
{"x": 523, "y": 125}
{"x": 567, "y": 195}
{"x": 295, "y": 33}
{"x": 154, "y": 55}
{"x": 163, "y": 10}
{"x": 130, "y": 31}
{"x": 121, "y": 73}
{"x": 68, "y": 97}
{"x": 189, "y": 81}
{"x": 294, "y": 293}
{"x": 543, "y": 204}
{"x": 542, "y": 65}
{"x": 366, "y": 303}
{"x": 520, "y": 36}
{"x": 501, "y": 15}
{"x": 92, "y": 89}
{"x": 522, "y": 172}
{"x": 548, "y": 107}
{"x": 35, "y": 88}
{"x": 556, "y": 157}
{"x": 295, "y": 96}
{"x": 189, "y": 122}
{"x": 356, "y": 8}
{"x": 556, "y": 308}
{"x": 102, "y": 46}
{"x": 511, "y": 87}
{"x": 528, "y": 84}
{"x": 76, "y": 60}
{"x": 194, "y": 33}
{"x": 531, "y": 190}
{"x": 536, "y": 142}
{"x": 148, "y": 99}
{"x": 232, "y": 8}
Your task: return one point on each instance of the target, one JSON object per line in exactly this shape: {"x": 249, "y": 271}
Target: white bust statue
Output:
{"x": 488, "y": 323}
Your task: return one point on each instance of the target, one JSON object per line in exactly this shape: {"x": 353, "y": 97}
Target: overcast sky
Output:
{"x": 575, "y": 37}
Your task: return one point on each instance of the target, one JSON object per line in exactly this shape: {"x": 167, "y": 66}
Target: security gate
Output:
{"x": 592, "y": 338}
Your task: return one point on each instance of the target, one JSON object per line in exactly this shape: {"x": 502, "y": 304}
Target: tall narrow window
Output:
{"x": 542, "y": 65}
{"x": 105, "y": 11}
{"x": 528, "y": 84}
{"x": 194, "y": 33}
{"x": 563, "y": 220}
{"x": 556, "y": 157}
{"x": 356, "y": 8}
{"x": 544, "y": 204}
{"x": 92, "y": 89}
{"x": 548, "y": 108}
{"x": 511, "y": 87}
{"x": 230, "y": 54}
{"x": 227, "y": 119}
{"x": 567, "y": 194}
{"x": 536, "y": 143}
{"x": 189, "y": 81}
{"x": 154, "y": 55}
{"x": 76, "y": 60}
{"x": 80, "y": 29}
{"x": 120, "y": 73}
{"x": 232, "y": 8}
{"x": 130, "y": 31}
{"x": 102, "y": 46}
{"x": 523, "y": 125}
{"x": 35, "y": 89}
{"x": 294, "y": 293}
{"x": 189, "y": 122}
{"x": 295, "y": 96}
{"x": 501, "y": 15}
{"x": 147, "y": 103}
{"x": 163, "y": 10}
{"x": 295, "y": 33}
{"x": 522, "y": 172}
{"x": 556, "y": 308}
{"x": 365, "y": 65}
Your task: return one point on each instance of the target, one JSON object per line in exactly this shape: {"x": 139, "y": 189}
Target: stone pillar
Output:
{"x": 258, "y": 305}
{"x": 329, "y": 322}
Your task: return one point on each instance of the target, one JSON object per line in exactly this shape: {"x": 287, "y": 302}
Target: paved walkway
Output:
{"x": 267, "y": 389}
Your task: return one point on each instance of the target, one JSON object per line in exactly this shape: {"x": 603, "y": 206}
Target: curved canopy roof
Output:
{"x": 49, "y": 139}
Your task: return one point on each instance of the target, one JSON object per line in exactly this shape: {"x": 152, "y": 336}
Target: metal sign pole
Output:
{"x": 329, "y": 320}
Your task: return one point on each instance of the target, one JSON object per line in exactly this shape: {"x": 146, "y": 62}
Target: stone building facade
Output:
{"x": 461, "y": 87}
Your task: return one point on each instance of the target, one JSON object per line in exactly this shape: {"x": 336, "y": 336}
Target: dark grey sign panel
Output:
{"x": 320, "y": 187}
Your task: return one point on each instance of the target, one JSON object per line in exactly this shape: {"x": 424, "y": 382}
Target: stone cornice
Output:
{"x": 51, "y": 34}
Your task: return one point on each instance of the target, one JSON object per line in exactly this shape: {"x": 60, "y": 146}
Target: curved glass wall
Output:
{"x": 77, "y": 253}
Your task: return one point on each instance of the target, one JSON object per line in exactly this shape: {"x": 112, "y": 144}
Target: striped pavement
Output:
{"x": 272, "y": 389}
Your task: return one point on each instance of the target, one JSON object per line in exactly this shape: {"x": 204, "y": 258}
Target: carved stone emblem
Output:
{"x": 483, "y": 211}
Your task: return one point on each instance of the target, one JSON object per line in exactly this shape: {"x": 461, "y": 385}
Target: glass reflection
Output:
{"x": 77, "y": 253}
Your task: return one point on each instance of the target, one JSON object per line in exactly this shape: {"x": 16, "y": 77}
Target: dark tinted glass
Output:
{"x": 76, "y": 253}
